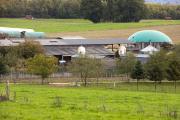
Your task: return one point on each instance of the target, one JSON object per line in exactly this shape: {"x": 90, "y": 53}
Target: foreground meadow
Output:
{"x": 35, "y": 102}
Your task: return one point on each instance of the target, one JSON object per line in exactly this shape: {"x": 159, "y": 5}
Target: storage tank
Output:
{"x": 122, "y": 50}
{"x": 15, "y": 32}
{"x": 81, "y": 50}
{"x": 34, "y": 34}
{"x": 16, "y": 29}
{"x": 11, "y": 33}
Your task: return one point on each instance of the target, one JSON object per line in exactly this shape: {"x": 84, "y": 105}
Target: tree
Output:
{"x": 158, "y": 11}
{"x": 3, "y": 66}
{"x": 71, "y": 9}
{"x": 123, "y": 10}
{"x": 177, "y": 51}
{"x": 173, "y": 69}
{"x": 42, "y": 65}
{"x": 108, "y": 14}
{"x": 11, "y": 59}
{"x": 155, "y": 74}
{"x": 29, "y": 49}
{"x": 125, "y": 65}
{"x": 86, "y": 67}
{"x": 129, "y": 10}
{"x": 4, "y": 50}
{"x": 156, "y": 66}
{"x": 92, "y": 10}
{"x": 3, "y": 70}
{"x": 133, "y": 10}
{"x": 98, "y": 70}
{"x": 110, "y": 10}
{"x": 137, "y": 72}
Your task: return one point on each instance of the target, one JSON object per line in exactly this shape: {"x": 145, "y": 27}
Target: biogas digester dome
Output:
{"x": 147, "y": 36}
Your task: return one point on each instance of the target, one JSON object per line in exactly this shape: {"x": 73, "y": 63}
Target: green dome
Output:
{"x": 149, "y": 36}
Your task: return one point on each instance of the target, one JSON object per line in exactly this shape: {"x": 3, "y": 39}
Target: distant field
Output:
{"x": 35, "y": 102}
{"x": 78, "y": 25}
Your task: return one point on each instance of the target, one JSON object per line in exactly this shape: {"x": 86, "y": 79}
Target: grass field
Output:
{"x": 34, "y": 102}
{"x": 78, "y": 25}
{"x": 84, "y": 28}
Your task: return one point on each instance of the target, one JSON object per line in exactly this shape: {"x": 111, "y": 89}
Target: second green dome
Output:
{"x": 149, "y": 36}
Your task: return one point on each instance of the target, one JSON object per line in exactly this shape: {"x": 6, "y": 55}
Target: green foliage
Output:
{"x": 49, "y": 8}
{"x": 42, "y": 65}
{"x": 95, "y": 10}
{"x": 92, "y": 10}
{"x": 3, "y": 67}
{"x": 29, "y": 49}
{"x": 158, "y": 11}
{"x": 12, "y": 57}
{"x": 156, "y": 66}
{"x": 125, "y": 10}
{"x": 126, "y": 65}
{"x": 138, "y": 71}
{"x": 173, "y": 69}
{"x": 177, "y": 50}
{"x": 4, "y": 50}
{"x": 155, "y": 73}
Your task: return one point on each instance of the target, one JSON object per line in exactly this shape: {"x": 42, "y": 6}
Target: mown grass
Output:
{"x": 35, "y": 102}
{"x": 78, "y": 25}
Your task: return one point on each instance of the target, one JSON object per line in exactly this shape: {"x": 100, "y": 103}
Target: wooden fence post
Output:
{"x": 7, "y": 90}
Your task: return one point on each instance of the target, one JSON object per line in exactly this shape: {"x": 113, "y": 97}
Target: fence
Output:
{"x": 61, "y": 78}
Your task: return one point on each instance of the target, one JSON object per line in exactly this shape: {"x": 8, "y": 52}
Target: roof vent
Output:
{"x": 53, "y": 41}
{"x": 14, "y": 41}
{"x": 82, "y": 50}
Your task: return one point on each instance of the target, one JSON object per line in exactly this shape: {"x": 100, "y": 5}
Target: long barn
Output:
{"x": 67, "y": 48}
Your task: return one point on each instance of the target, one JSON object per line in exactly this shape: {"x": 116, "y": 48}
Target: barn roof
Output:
{"x": 67, "y": 42}
{"x": 69, "y": 51}
{"x": 82, "y": 41}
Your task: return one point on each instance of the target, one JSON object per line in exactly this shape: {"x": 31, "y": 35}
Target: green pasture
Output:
{"x": 36, "y": 102}
{"x": 79, "y": 25}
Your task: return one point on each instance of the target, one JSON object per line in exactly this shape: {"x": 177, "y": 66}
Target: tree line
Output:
{"x": 94, "y": 10}
{"x": 157, "y": 11}
{"x": 26, "y": 57}
{"x": 164, "y": 65}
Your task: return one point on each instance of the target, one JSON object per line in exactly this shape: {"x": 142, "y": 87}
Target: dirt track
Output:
{"x": 171, "y": 30}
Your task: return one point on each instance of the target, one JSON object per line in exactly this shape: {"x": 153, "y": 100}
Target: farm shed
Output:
{"x": 68, "y": 48}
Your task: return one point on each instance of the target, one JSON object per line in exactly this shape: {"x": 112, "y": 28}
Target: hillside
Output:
{"x": 164, "y": 1}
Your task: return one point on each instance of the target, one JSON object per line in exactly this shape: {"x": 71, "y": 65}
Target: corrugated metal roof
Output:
{"x": 13, "y": 42}
{"x": 69, "y": 51}
{"x": 82, "y": 41}
{"x": 66, "y": 42}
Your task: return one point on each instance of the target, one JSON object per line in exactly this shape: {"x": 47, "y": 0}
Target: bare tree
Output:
{"x": 125, "y": 65}
{"x": 86, "y": 67}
